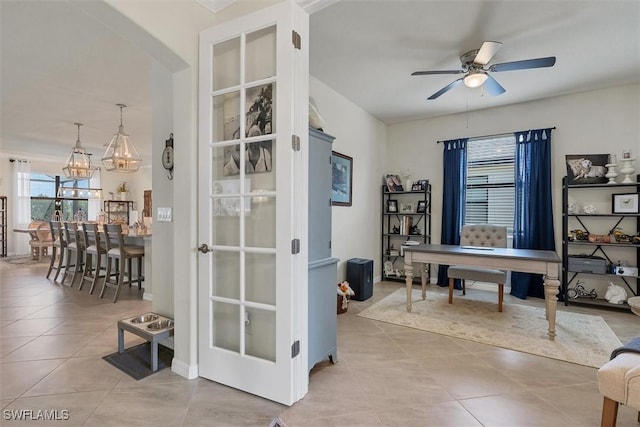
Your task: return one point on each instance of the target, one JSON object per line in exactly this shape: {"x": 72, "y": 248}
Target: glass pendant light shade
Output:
{"x": 121, "y": 154}
{"x": 78, "y": 165}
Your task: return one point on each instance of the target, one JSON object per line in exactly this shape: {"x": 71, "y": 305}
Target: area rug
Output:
{"x": 136, "y": 361}
{"x": 22, "y": 261}
{"x": 580, "y": 338}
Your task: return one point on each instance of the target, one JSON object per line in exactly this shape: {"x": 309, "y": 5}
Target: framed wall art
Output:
{"x": 624, "y": 203}
{"x": 341, "y": 179}
{"x": 587, "y": 168}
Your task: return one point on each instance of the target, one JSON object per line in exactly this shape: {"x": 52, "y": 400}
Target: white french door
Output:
{"x": 253, "y": 90}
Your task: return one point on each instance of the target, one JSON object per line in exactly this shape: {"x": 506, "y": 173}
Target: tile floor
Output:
{"x": 52, "y": 339}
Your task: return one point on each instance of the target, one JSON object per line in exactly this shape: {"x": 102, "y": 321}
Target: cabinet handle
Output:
{"x": 204, "y": 248}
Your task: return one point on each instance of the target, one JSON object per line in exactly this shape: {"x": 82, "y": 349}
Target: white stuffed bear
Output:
{"x": 615, "y": 294}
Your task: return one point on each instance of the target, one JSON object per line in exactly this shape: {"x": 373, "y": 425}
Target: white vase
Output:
{"x": 627, "y": 170}
{"x": 123, "y": 195}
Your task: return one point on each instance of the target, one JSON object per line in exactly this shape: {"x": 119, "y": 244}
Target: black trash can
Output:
{"x": 360, "y": 277}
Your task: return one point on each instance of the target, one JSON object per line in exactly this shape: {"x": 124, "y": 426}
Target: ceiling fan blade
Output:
{"x": 427, "y": 73}
{"x": 447, "y": 88}
{"x": 525, "y": 64}
{"x": 492, "y": 87}
{"x": 486, "y": 52}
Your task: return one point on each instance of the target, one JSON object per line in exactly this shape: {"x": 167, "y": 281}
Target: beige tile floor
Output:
{"x": 52, "y": 339}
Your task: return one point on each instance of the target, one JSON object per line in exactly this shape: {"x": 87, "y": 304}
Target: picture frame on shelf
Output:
{"x": 625, "y": 203}
{"x": 341, "y": 179}
{"x": 407, "y": 207}
{"x": 422, "y": 207}
{"x": 394, "y": 183}
{"x": 423, "y": 184}
{"x": 392, "y": 206}
{"x": 587, "y": 168}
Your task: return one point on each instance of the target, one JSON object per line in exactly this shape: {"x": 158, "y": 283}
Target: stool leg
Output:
{"x": 464, "y": 287}
{"x": 96, "y": 275}
{"x": 53, "y": 260}
{"x": 609, "y": 412}
{"x": 86, "y": 271}
{"x": 60, "y": 264}
{"x": 106, "y": 277}
{"x": 129, "y": 262}
{"x": 500, "y": 296}
{"x": 450, "y": 290}
{"x": 120, "y": 280}
{"x": 78, "y": 267}
{"x": 140, "y": 272}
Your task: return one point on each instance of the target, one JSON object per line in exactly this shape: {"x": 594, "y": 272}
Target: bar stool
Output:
{"x": 94, "y": 247}
{"x": 75, "y": 244}
{"x": 118, "y": 252}
{"x": 58, "y": 247}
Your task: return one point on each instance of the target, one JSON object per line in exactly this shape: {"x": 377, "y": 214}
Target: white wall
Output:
{"x": 356, "y": 228}
{"x": 600, "y": 121}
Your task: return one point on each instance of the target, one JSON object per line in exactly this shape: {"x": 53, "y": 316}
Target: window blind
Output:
{"x": 490, "y": 181}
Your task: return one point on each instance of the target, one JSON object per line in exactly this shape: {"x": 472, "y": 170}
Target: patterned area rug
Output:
{"x": 21, "y": 261}
{"x": 580, "y": 338}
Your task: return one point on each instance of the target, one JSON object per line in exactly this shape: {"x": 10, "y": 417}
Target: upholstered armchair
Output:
{"x": 480, "y": 235}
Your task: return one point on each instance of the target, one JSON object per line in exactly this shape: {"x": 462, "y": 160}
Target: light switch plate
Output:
{"x": 164, "y": 214}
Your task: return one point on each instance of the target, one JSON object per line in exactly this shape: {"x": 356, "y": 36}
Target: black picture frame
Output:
{"x": 422, "y": 207}
{"x": 341, "y": 179}
{"x": 393, "y": 183}
{"x": 392, "y": 206}
{"x": 626, "y": 203}
{"x": 587, "y": 168}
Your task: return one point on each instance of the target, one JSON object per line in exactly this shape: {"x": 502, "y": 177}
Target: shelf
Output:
{"x": 601, "y": 303}
{"x": 626, "y": 245}
{"x": 603, "y": 185}
{"x": 403, "y": 235}
{"x": 615, "y": 215}
{"x": 399, "y": 214}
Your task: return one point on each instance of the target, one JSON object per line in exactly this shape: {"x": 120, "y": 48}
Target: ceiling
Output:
{"x": 59, "y": 66}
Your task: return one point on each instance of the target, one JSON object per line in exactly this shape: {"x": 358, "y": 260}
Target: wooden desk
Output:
{"x": 525, "y": 260}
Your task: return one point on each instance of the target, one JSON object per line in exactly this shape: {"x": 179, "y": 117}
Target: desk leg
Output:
{"x": 551, "y": 288}
{"x": 424, "y": 277}
{"x": 154, "y": 356}
{"x": 120, "y": 340}
{"x": 408, "y": 271}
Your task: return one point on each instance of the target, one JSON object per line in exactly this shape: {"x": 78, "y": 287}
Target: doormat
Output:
{"x": 136, "y": 361}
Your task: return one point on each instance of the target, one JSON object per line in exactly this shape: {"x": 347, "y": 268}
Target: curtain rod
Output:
{"x": 492, "y": 136}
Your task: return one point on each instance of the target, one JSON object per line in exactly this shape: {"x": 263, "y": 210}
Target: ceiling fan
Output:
{"x": 474, "y": 63}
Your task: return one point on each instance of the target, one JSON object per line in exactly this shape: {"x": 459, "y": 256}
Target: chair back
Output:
{"x": 57, "y": 232}
{"x": 484, "y": 235}
{"x": 91, "y": 234}
{"x": 113, "y": 236}
{"x": 43, "y": 232}
{"x": 72, "y": 234}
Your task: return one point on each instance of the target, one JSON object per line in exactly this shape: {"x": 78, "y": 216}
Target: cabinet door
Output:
{"x": 319, "y": 195}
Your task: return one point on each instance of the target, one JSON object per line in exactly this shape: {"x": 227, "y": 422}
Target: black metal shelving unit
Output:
{"x": 3, "y": 226}
{"x": 601, "y": 223}
{"x": 392, "y": 241}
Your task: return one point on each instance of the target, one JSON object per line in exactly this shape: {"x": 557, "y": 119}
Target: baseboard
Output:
{"x": 184, "y": 369}
{"x": 147, "y": 296}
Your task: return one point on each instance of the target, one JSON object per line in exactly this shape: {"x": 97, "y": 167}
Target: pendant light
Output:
{"x": 121, "y": 154}
{"x": 78, "y": 164}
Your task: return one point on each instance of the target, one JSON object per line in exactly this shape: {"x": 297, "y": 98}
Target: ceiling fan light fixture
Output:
{"x": 475, "y": 78}
{"x": 121, "y": 155}
{"x": 78, "y": 165}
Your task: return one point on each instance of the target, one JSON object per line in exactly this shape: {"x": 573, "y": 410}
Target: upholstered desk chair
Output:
{"x": 40, "y": 239}
{"x": 95, "y": 247}
{"x": 619, "y": 382}
{"x": 59, "y": 247}
{"x": 480, "y": 235}
{"x": 118, "y": 252}
{"x": 75, "y": 247}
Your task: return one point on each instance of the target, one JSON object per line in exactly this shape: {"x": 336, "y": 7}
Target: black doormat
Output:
{"x": 136, "y": 361}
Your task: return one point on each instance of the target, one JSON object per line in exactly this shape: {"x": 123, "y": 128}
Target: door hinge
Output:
{"x": 295, "y": 246}
{"x": 295, "y": 142}
{"x": 295, "y": 349}
{"x": 296, "y": 39}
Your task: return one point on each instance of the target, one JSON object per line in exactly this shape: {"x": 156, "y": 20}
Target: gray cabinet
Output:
{"x": 323, "y": 272}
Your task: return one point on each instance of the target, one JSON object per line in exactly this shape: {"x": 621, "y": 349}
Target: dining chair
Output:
{"x": 119, "y": 253}
{"x": 58, "y": 247}
{"x": 75, "y": 245}
{"x": 485, "y": 235}
{"x": 95, "y": 247}
{"x": 40, "y": 239}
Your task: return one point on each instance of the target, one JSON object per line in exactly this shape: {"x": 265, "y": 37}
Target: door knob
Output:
{"x": 204, "y": 248}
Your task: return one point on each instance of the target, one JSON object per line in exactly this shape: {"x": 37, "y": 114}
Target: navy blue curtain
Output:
{"x": 533, "y": 222}
{"x": 453, "y": 196}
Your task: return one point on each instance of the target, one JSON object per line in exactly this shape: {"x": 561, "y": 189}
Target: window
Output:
{"x": 44, "y": 202}
{"x": 490, "y": 181}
